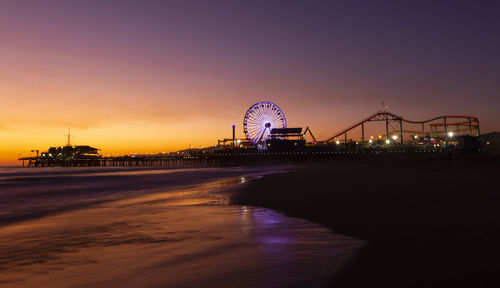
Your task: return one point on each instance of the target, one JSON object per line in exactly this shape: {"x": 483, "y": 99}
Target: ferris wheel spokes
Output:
{"x": 260, "y": 119}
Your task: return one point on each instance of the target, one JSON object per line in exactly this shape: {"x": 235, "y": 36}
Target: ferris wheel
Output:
{"x": 260, "y": 119}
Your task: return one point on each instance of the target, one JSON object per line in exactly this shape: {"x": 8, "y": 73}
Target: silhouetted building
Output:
{"x": 72, "y": 152}
{"x": 468, "y": 143}
{"x": 286, "y": 139}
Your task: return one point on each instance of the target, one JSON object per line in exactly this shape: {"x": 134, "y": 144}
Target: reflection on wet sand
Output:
{"x": 181, "y": 238}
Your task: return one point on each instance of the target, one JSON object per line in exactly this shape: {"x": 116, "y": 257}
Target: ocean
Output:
{"x": 156, "y": 227}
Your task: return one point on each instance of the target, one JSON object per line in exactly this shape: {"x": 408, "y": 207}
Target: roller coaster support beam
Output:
{"x": 445, "y": 133}
{"x": 386, "y": 128}
{"x": 478, "y": 131}
{"x": 401, "y": 128}
{"x": 363, "y": 132}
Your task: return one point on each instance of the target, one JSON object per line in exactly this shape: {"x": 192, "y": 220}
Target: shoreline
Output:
{"x": 429, "y": 222}
{"x": 185, "y": 236}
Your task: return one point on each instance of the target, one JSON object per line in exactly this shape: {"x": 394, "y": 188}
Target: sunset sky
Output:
{"x": 158, "y": 76}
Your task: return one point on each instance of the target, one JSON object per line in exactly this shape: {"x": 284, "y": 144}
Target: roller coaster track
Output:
{"x": 389, "y": 116}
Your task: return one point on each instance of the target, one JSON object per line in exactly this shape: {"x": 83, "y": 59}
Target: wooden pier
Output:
{"x": 229, "y": 158}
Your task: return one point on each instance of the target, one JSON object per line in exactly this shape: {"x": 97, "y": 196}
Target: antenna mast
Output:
{"x": 385, "y": 108}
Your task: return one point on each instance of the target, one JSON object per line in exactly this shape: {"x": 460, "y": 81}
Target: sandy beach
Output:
{"x": 429, "y": 222}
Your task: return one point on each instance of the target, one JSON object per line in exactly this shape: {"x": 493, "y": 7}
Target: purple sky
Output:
{"x": 201, "y": 64}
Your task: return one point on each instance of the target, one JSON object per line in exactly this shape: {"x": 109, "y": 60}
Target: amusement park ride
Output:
{"x": 265, "y": 127}
{"x": 267, "y": 138}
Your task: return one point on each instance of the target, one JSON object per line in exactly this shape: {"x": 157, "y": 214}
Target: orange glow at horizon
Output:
{"x": 163, "y": 75}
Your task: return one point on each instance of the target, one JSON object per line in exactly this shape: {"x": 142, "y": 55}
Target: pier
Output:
{"x": 242, "y": 157}
{"x": 268, "y": 140}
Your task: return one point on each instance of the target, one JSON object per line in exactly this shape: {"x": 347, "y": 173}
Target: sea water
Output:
{"x": 128, "y": 227}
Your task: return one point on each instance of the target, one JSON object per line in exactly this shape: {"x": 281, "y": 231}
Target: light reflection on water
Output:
{"x": 182, "y": 237}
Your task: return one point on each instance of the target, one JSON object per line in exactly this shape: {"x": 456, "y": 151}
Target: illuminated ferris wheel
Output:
{"x": 260, "y": 119}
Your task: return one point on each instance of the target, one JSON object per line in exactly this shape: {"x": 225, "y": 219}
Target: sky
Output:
{"x": 159, "y": 76}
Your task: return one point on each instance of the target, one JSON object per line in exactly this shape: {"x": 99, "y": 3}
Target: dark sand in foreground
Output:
{"x": 430, "y": 222}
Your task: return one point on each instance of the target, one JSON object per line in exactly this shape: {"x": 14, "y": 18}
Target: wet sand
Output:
{"x": 429, "y": 222}
{"x": 152, "y": 235}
